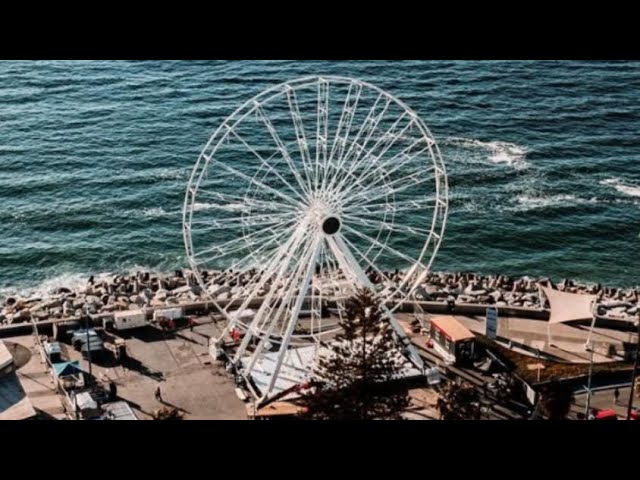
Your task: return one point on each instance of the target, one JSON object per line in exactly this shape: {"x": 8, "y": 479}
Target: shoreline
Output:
{"x": 108, "y": 293}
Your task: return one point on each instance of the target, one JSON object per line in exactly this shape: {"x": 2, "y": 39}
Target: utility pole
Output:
{"x": 633, "y": 374}
{"x": 88, "y": 343}
{"x": 588, "y": 407}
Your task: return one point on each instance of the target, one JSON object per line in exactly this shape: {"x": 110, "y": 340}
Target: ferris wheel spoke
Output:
{"x": 301, "y": 138}
{"x": 225, "y": 249}
{"x": 281, "y": 147}
{"x": 344, "y": 125}
{"x": 391, "y": 138}
{"x": 275, "y": 227}
{"x": 370, "y": 125}
{"x": 250, "y": 292}
{"x": 265, "y": 163}
{"x": 273, "y": 273}
{"x": 370, "y": 180}
{"x": 387, "y": 248}
{"x": 354, "y": 143}
{"x": 238, "y": 204}
{"x": 322, "y": 130}
{"x": 257, "y": 183}
{"x": 387, "y": 280}
{"x": 398, "y": 206}
{"x": 393, "y": 227}
{"x": 392, "y": 188}
{"x": 253, "y": 221}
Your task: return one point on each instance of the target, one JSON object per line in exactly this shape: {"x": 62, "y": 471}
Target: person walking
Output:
{"x": 158, "y": 395}
{"x": 616, "y": 395}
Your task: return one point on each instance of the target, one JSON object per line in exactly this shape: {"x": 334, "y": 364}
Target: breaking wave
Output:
{"x": 496, "y": 152}
{"x": 620, "y": 186}
{"x": 531, "y": 202}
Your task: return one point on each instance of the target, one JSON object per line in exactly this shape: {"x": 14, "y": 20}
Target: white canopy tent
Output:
{"x": 568, "y": 307}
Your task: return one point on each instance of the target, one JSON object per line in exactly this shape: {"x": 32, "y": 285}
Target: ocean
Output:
{"x": 542, "y": 160}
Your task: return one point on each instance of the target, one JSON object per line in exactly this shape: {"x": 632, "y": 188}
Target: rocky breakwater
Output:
{"x": 143, "y": 290}
{"x": 110, "y": 294}
{"x": 506, "y": 291}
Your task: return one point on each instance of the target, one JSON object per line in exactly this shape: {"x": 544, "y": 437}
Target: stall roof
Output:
{"x": 452, "y": 327}
{"x": 67, "y": 368}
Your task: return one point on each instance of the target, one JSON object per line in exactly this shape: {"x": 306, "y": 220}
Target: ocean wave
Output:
{"x": 232, "y": 207}
{"x": 496, "y": 152}
{"x": 527, "y": 202}
{"x": 620, "y": 186}
{"x": 46, "y": 288}
{"x": 154, "y": 212}
{"x": 73, "y": 281}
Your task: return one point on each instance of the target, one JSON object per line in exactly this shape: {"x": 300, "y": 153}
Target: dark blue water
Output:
{"x": 543, "y": 160}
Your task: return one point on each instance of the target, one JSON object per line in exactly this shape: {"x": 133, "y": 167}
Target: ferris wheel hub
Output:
{"x": 331, "y": 225}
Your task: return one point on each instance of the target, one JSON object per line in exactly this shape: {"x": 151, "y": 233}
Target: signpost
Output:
{"x": 491, "y": 323}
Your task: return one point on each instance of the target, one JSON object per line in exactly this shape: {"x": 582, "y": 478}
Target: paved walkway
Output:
{"x": 604, "y": 399}
{"x": 181, "y": 366}
{"x": 37, "y": 382}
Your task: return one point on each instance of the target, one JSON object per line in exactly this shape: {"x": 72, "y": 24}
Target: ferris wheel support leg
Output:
{"x": 285, "y": 256}
{"x": 294, "y": 318}
{"x": 275, "y": 316}
{"x": 348, "y": 262}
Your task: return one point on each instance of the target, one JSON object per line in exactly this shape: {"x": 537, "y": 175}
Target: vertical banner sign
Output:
{"x": 531, "y": 394}
{"x": 491, "y": 323}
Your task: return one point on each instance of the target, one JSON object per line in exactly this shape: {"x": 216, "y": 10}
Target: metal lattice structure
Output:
{"x": 308, "y": 190}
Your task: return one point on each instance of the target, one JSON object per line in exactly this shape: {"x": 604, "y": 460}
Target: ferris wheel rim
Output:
{"x": 440, "y": 178}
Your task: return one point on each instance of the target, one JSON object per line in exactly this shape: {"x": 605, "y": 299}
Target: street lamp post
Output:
{"x": 633, "y": 374}
{"x": 588, "y": 407}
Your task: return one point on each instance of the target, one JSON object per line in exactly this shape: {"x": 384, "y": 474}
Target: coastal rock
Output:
{"x": 161, "y": 295}
{"x": 155, "y": 302}
{"x": 67, "y": 308}
{"x": 180, "y": 290}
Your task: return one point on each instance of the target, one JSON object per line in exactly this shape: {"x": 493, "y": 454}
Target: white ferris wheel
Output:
{"x": 309, "y": 190}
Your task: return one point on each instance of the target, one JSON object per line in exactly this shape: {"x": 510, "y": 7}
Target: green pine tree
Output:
{"x": 354, "y": 380}
{"x": 555, "y": 400}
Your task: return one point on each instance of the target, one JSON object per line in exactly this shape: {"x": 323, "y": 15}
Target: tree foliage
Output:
{"x": 353, "y": 380}
{"x": 459, "y": 402}
{"x": 555, "y": 400}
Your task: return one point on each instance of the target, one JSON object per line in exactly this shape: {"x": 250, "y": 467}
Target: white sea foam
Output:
{"x": 48, "y": 287}
{"x": 202, "y": 206}
{"x": 72, "y": 281}
{"x": 172, "y": 173}
{"x": 496, "y": 152}
{"x": 154, "y": 212}
{"x": 232, "y": 207}
{"x": 527, "y": 202}
{"x": 622, "y": 187}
